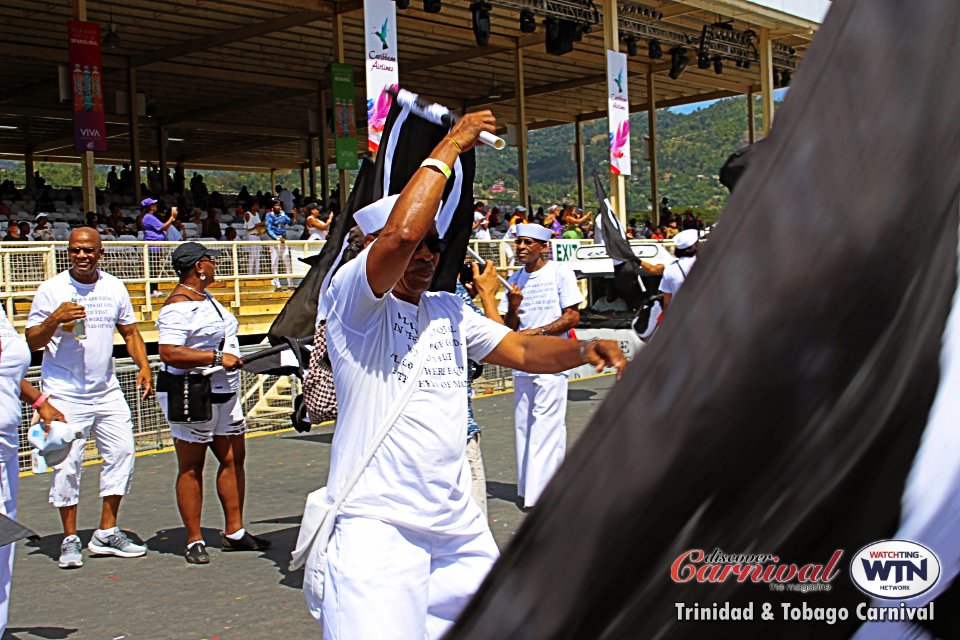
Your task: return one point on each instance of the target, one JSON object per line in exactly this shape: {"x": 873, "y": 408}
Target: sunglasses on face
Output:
{"x": 85, "y": 250}
{"x": 435, "y": 244}
{"x": 527, "y": 242}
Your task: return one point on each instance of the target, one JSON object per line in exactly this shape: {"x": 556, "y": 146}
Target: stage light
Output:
{"x": 432, "y": 6}
{"x": 402, "y": 4}
{"x": 717, "y": 65}
{"x": 678, "y": 62}
{"x": 528, "y": 23}
{"x": 785, "y": 78}
{"x": 631, "y": 42}
{"x": 654, "y": 50}
{"x": 481, "y": 22}
{"x": 560, "y": 35}
{"x": 703, "y": 59}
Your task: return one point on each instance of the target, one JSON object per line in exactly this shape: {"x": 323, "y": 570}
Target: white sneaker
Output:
{"x": 70, "y": 553}
{"x": 116, "y": 544}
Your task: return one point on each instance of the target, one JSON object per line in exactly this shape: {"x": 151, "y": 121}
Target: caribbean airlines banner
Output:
{"x": 380, "y": 26}
{"x": 89, "y": 122}
{"x": 618, "y": 113}
{"x": 344, "y": 117}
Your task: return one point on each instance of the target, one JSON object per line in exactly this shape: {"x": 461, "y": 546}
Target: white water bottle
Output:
{"x": 79, "y": 325}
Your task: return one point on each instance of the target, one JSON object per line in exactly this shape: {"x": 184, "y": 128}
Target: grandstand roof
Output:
{"x": 235, "y": 79}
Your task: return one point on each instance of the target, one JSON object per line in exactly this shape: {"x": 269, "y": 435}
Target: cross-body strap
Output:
{"x": 398, "y": 407}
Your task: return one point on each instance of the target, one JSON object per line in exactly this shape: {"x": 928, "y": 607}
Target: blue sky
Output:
{"x": 696, "y": 106}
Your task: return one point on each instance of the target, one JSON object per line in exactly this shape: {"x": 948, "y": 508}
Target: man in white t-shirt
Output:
{"x": 410, "y": 545}
{"x": 481, "y": 223}
{"x": 685, "y": 246}
{"x": 73, "y": 317}
{"x": 543, "y": 300}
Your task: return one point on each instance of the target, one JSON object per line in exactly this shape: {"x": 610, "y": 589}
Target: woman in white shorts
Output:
{"x": 198, "y": 336}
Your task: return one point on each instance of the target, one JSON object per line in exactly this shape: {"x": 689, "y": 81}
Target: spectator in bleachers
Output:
{"x": 276, "y": 222}
{"x": 244, "y": 197}
{"x": 230, "y": 235}
{"x": 42, "y": 232}
{"x": 154, "y": 230}
{"x": 45, "y": 203}
{"x": 315, "y": 227}
{"x": 125, "y": 184}
{"x": 25, "y": 231}
{"x": 13, "y": 232}
{"x": 112, "y": 180}
{"x": 210, "y": 226}
{"x": 175, "y": 232}
{"x": 154, "y": 179}
{"x": 286, "y": 198}
{"x": 116, "y": 221}
{"x": 255, "y": 228}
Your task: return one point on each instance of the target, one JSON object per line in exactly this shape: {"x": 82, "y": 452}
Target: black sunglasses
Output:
{"x": 435, "y": 244}
{"x": 78, "y": 250}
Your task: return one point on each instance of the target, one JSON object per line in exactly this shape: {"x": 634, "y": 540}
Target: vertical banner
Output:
{"x": 86, "y": 81}
{"x": 618, "y": 113}
{"x": 380, "y": 26}
{"x": 344, "y": 116}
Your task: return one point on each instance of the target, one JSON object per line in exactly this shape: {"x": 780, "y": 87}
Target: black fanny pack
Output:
{"x": 189, "y": 397}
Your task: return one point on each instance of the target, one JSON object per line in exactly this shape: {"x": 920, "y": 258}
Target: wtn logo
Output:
{"x": 903, "y": 569}
{"x": 895, "y": 569}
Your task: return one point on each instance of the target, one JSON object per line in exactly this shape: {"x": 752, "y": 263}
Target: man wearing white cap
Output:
{"x": 685, "y": 249}
{"x": 410, "y": 545}
{"x": 543, "y": 300}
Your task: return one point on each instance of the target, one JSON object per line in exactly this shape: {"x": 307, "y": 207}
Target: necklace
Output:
{"x": 189, "y": 288}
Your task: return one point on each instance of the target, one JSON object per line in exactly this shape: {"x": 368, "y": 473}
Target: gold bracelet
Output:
{"x": 454, "y": 141}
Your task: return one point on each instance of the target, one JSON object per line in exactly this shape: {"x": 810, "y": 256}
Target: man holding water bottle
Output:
{"x": 72, "y": 318}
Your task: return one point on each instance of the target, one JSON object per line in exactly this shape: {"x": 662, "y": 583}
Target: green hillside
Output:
{"x": 691, "y": 149}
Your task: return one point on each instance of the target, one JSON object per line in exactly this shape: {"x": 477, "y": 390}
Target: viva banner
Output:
{"x": 618, "y": 113}
{"x": 89, "y": 122}
{"x": 380, "y": 25}
{"x": 344, "y": 116}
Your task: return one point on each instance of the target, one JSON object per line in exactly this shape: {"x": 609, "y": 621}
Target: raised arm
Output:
{"x": 413, "y": 215}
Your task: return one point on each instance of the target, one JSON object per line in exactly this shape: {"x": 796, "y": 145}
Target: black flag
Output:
{"x": 407, "y": 141}
{"x": 782, "y": 407}
{"x": 626, "y": 265}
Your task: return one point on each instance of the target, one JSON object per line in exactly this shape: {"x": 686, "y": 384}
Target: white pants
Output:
{"x": 112, "y": 429}
{"x": 9, "y": 481}
{"x": 389, "y": 583}
{"x": 539, "y": 412}
{"x": 478, "y": 477}
{"x": 280, "y": 252}
{"x": 253, "y": 258}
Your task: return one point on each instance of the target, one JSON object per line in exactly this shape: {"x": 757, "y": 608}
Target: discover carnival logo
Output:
{"x": 718, "y": 566}
{"x": 895, "y": 569}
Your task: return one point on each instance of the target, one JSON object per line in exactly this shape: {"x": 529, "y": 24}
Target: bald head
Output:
{"x": 85, "y": 250}
{"x": 87, "y": 236}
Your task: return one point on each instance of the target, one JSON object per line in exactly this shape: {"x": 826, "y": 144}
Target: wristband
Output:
{"x": 217, "y": 358}
{"x": 39, "y": 401}
{"x": 583, "y": 348}
{"x": 443, "y": 167}
{"x": 454, "y": 141}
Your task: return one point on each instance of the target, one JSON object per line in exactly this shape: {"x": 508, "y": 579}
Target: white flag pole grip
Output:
{"x": 438, "y": 114}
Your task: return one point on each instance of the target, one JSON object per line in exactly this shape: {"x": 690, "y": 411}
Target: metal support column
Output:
{"x": 751, "y": 119}
{"x": 340, "y": 56}
{"x": 578, "y": 151}
{"x": 134, "y": 131}
{"x": 652, "y": 134}
{"x": 28, "y": 168}
{"x": 86, "y": 157}
{"x": 766, "y": 79}
{"x": 324, "y": 153}
{"x": 611, "y": 41}
{"x": 521, "y": 116}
